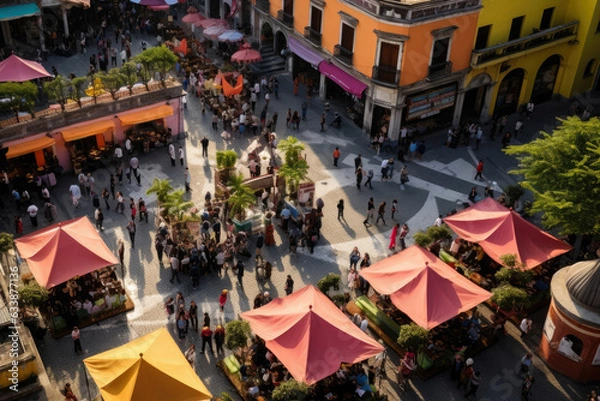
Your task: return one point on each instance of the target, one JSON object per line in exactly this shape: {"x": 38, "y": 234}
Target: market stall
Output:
{"x": 32, "y": 157}
{"x": 147, "y": 128}
{"x": 87, "y": 144}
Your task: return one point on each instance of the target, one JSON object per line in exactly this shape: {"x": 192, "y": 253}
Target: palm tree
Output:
{"x": 242, "y": 196}
{"x": 162, "y": 189}
{"x": 292, "y": 148}
{"x": 176, "y": 206}
{"x": 226, "y": 160}
{"x": 294, "y": 173}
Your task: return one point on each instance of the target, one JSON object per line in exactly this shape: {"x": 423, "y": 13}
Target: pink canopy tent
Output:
{"x": 213, "y": 32}
{"x": 16, "y": 69}
{"x": 429, "y": 291}
{"x": 193, "y": 18}
{"x": 207, "y": 23}
{"x": 500, "y": 231}
{"x": 310, "y": 335}
{"x": 64, "y": 250}
{"x": 246, "y": 56}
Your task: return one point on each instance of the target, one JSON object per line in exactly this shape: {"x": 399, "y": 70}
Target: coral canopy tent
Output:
{"x": 429, "y": 291}
{"x": 150, "y": 368}
{"x": 310, "y": 335}
{"x": 500, "y": 231}
{"x": 64, "y": 250}
{"x": 16, "y": 69}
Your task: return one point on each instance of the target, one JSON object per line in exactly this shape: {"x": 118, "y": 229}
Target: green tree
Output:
{"x": 79, "y": 85}
{"x": 112, "y": 81}
{"x": 161, "y": 59}
{"x": 292, "y": 148}
{"x": 33, "y": 295}
{"x": 294, "y": 172}
{"x": 21, "y": 96}
{"x": 291, "y": 390}
{"x": 130, "y": 75}
{"x": 58, "y": 90}
{"x": 562, "y": 169}
{"x": 237, "y": 335}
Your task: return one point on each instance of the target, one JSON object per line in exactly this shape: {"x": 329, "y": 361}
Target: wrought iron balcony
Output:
{"x": 264, "y": 6}
{"x": 394, "y": 10}
{"x": 540, "y": 39}
{"x": 312, "y": 35}
{"x": 440, "y": 70}
{"x": 385, "y": 75}
{"x": 343, "y": 54}
{"x": 287, "y": 19}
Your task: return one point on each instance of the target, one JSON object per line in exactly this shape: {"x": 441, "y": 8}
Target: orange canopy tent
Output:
{"x": 429, "y": 291}
{"x": 500, "y": 231}
{"x": 310, "y": 335}
{"x": 64, "y": 250}
{"x": 182, "y": 48}
{"x": 229, "y": 90}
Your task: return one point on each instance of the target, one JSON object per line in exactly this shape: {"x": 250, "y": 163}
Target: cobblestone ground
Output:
{"x": 442, "y": 179}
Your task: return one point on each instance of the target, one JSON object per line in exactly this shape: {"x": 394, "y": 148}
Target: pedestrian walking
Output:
{"x": 354, "y": 257}
{"x": 18, "y": 225}
{"x": 403, "y": 234}
{"x": 394, "y": 237}
{"x": 473, "y": 384}
{"x": 75, "y": 195}
{"x": 188, "y": 180}
{"x": 340, "y": 208}
{"x": 478, "y": 137}
{"x": 240, "y": 271}
{"x": 518, "y": 127}
{"x": 526, "y": 368}
{"x": 120, "y": 203}
{"x": 359, "y": 177}
{"x": 530, "y": 107}
{"x": 68, "y": 392}
{"x": 260, "y": 242}
{"x": 204, "y": 143}
{"x": 466, "y": 373}
{"x": 223, "y": 299}
{"x": 526, "y": 388}
{"x": 32, "y": 210}
{"x": 289, "y": 285}
{"x": 172, "y": 154}
{"x": 403, "y": 177}
{"x": 357, "y": 162}
{"x": 99, "y": 216}
{"x": 381, "y": 213}
{"x": 181, "y": 154}
{"x": 296, "y": 121}
{"x": 304, "y": 107}
{"x": 75, "y": 335}
{"x": 384, "y": 169}
{"x": 182, "y": 324}
{"x": 370, "y": 211}
{"x": 370, "y": 176}
{"x": 175, "y": 264}
{"x": 206, "y": 335}
{"x": 193, "y": 315}
{"x": 219, "y": 336}
{"x": 336, "y": 156}
{"x": 106, "y": 196}
{"x": 121, "y": 251}
{"x": 479, "y": 170}
{"x": 525, "y": 326}
{"x": 159, "y": 247}
{"x": 131, "y": 229}
{"x": 323, "y": 120}
{"x": 215, "y": 121}
{"x": 394, "y": 207}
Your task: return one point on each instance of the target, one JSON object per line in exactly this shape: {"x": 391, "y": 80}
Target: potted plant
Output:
{"x": 226, "y": 160}
{"x": 176, "y": 206}
{"x": 237, "y": 335}
{"x": 162, "y": 189}
{"x": 412, "y": 336}
{"x": 329, "y": 281}
{"x": 510, "y": 298}
{"x": 6, "y": 244}
{"x": 433, "y": 236}
{"x": 294, "y": 169}
{"x": 291, "y": 390}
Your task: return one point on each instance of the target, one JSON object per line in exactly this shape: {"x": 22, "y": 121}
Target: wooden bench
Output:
{"x": 230, "y": 366}
{"x": 383, "y": 321}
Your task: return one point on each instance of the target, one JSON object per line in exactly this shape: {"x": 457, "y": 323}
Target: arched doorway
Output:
{"x": 475, "y": 97}
{"x": 280, "y": 42}
{"x": 266, "y": 34}
{"x": 509, "y": 92}
{"x": 543, "y": 86}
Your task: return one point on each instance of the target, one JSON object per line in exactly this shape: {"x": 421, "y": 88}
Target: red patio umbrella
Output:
{"x": 246, "y": 56}
{"x": 213, "y": 32}
{"x": 310, "y": 335}
{"x": 429, "y": 291}
{"x": 16, "y": 69}
{"x": 502, "y": 231}
{"x": 193, "y": 18}
{"x": 64, "y": 250}
{"x": 207, "y": 23}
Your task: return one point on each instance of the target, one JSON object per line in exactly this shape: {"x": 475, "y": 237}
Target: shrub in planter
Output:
{"x": 518, "y": 278}
{"x": 432, "y": 235}
{"x": 33, "y": 295}
{"x": 237, "y": 334}
{"x": 330, "y": 280}
{"x": 513, "y": 193}
{"x": 508, "y": 297}
{"x": 290, "y": 390}
{"x": 412, "y": 336}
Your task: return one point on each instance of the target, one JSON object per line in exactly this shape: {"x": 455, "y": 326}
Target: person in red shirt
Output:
{"x": 336, "y": 156}
{"x": 206, "y": 335}
{"x": 479, "y": 170}
{"x": 223, "y": 299}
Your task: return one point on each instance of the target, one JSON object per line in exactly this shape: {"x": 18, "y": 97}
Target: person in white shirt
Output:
{"x": 119, "y": 153}
{"x": 172, "y": 154}
{"x": 128, "y": 146}
{"x": 364, "y": 324}
{"x": 181, "y": 156}
{"x": 33, "y": 211}
{"x": 439, "y": 221}
{"x": 75, "y": 194}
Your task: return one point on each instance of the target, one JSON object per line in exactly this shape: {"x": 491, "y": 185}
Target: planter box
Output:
{"x": 251, "y": 225}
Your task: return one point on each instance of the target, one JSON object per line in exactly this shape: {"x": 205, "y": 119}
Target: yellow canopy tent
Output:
{"x": 151, "y": 368}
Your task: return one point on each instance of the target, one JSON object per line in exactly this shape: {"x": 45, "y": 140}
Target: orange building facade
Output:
{"x": 394, "y": 64}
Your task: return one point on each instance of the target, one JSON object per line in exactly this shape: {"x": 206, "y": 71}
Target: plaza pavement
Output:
{"x": 437, "y": 185}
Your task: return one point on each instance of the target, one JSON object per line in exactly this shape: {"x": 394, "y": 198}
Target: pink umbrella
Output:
{"x": 214, "y": 32}
{"x": 15, "y": 69}
{"x": 246, "y": 56}
{"x": 207, "y": 23}
{"x": 193, "y": 18}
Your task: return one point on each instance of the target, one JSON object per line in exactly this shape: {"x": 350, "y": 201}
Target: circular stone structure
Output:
{"x": 571, "y": 337}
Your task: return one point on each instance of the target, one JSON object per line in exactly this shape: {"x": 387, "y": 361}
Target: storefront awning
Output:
{"x": 346, "y": 81}
{"x": 304, "y": 52}
{"x": 30, "y": 146}
{"x": 18, "y": 11}
{"x": 83, "y": 131}
{"x": 143, "y": 116}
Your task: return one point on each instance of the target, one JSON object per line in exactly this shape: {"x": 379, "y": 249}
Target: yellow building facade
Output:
{"x": 531, "y": 50}
{"x": 394, "y": 64}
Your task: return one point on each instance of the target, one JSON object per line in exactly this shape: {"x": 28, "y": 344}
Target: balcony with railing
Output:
{"x": 343, "y": 54}
{"x": 285, "y": 18}
{"x": 264, "y": 6}
{"x": 396, "y": 10}
{"x": 385, "y": 75}
{"x": 312, "y": 35}
{"x": 540, "y": 39}
{"x": 440, "y": 70}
